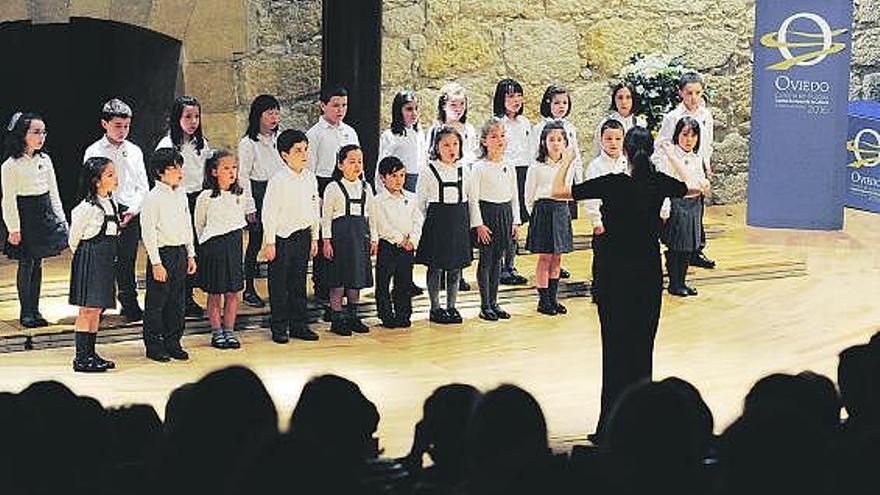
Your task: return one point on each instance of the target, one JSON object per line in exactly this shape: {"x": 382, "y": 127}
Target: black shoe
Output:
{"x": 463, "y": 285}
{"x": 29, "y": 321}
{"x": 88, "y": 364}
{"x": 218, "y": 340}
{"x": 678, "y": 291}
{"x": 690, "y": 290}
{"x": 506, "y": 279}
{"x": 699, "y": 259}
{"x": 253, "y": 300}
{"x": 513, "y": 278}
{"x": 488, "y": 314}
{"x": 158, "y": 354}
{"x": 389, "y": 322}
{"x": 502, "y": 315}
{"x": 41, "y": 322}
{"x": 328, "y": 314}
{"x": 563, "y": 273}
{"x": 106, "y": 363}
{"x": 561, "y": 309}
{"x": 415, "y": 290}
{"x": 357, "y": 326}
{"x": 177, "y": 352}
{"x": 339, "y": 326}
{"x": 454, "y": 316}
{"x": 595, "y": 438}
{"x": 132, "y": 312}
{"x": 403, "y": 323}
{"x": 302, "y": 331}
{"x": 231, "y": 340}
{"x": 439, "y": 316}
{"x": 193, "y": 310}
{"x": 280, "y": 337}
{"x": 548, "y": 309}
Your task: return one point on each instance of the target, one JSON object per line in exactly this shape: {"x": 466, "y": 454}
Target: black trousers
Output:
{"x": 287, "y": 280}
{"x": 489, "y": 274}
{"x": 255, "y": 235}
{"x": 126, "y": 256}
{"x": 28, "y": 281}
{"x": 629, "y": 311}
{"x": 164, "y": 304}
{"x": 393, "y": 263}
{"x": 598, "y": 251}
{"x": 321, "y": 265}
{"x": 191, "y": 279}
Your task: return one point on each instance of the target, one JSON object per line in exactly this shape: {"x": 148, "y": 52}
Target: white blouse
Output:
{"x": 428, "y": 189}
{"x": 539, "y": 182}
{"x": 87, "y": 219}
{"x": 517, "y": 133}
{"x": 258, "y": 161}
{"x": 28, "y": 176}
{"x": 215, "y": 217}
{"x": 410, "y": 148}
{"x": 334, "y": 206}
{"x": 493, "y": 182}
{"x": 193, "y": 163}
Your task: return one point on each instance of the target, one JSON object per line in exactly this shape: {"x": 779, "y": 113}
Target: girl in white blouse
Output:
{"x": 550, "y": 233}
{"x": 94, "y": 231}
{"x": 508, "y": 106}
{"x": 405, "y": 140}
{"x": 32, "y": 211}
{"x": 623, "y": 105}
{"x": 219, "y": 220}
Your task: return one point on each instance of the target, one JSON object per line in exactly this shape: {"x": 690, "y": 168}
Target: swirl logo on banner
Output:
{"x": 799, "y": 113}
{"x": 865, "y": 153}
{"x": 821, "y": 43}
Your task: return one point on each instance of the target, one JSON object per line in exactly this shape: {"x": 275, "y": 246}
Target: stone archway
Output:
{"x": 213, "y": 35}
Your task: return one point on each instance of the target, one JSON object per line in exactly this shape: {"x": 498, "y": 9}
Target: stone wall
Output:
{"x": 583, "y": 44}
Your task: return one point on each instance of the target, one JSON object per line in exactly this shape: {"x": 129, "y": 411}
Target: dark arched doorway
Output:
{"x": 66, "y": 71}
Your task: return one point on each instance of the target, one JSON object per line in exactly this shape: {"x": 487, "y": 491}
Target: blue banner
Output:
{"x": 799, "y": 113}
{"x": 863, "y": 163}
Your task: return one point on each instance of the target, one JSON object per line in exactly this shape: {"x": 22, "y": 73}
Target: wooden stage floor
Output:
{"x": 779, "y": 301}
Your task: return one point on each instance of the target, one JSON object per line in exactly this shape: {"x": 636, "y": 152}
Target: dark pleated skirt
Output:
{"x": 446, "y": 240}
{"x": 93, "y": 273}
{"x": 351, "y": 266}
{"x": 682, "y": 230}
{"x": 550, "y": 228}
{"x": 499, "y": 218}
{"x": 43, "y": 234}
{"x": 220, "y": 268}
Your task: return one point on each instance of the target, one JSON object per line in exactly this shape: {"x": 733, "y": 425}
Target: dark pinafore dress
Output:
{"x": 43, "y": 234}
{"x": 93, "y": 269}
{"x": 445, "y": 241}
{"x": 351, "y": 266}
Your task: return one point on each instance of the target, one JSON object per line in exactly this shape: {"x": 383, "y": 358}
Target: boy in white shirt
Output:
{"x": 326, "y": 137}
{"x": 399, "y": 222}
{"x": 133, "y": 187}
{"x": 291, "y": 218}
{"x": 168, "y": 239}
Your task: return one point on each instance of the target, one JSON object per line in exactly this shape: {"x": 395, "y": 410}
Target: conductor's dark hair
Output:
{"x": 638, "y": 146}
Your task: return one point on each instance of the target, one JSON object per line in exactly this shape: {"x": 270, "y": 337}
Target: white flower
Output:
{"x": 640, "y": 89}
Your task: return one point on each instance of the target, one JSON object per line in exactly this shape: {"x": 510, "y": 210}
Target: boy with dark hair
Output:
{"x": 133, "y": 187}
{"x": 168, "y": 239}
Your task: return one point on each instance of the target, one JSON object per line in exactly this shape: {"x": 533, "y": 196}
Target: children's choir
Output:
{"x": 437, "y": 194}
